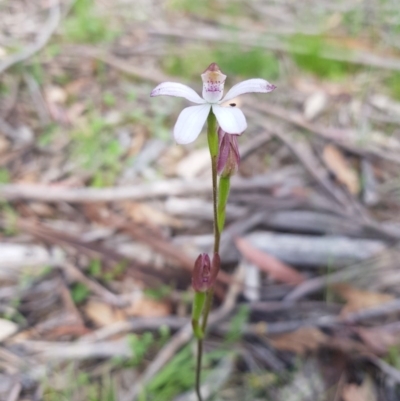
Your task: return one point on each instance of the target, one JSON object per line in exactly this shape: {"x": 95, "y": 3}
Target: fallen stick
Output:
{"x": 312, "y": 222}
{"x": 77, "y": 350}
{"x": 153, "y": 190}
{"x": 324, "y": 321}
{"x": 312, "y": 251}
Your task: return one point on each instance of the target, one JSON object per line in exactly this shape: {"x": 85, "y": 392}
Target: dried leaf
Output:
{"x": 359, "y": 299}
{"x": 41, "y": 209}
{"x": 142, "y": 213}
{"x": 103, "y": 314}
{"x": 365, "y": 392}
{"x": 75, "y": 112}
{"x": 78, "y": 86}
{"x": 168, "y": 161}
{"x": 193, "y": 164}
{"x": 269, "y": 264}
{"x": 379, "y": 339}
{"x": 55, "y": 94}
{"x": 300, "y": 341}
{"x": 148, "y": 307}
{"x": 7, "y": 329}
{"x": 315, "y": 105}
{"x": 338, "y": 164}
{"x": 4, "y": 145}
{"x": 75, "y": 330}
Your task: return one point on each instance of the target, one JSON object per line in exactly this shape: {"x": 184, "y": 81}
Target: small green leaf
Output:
{"x": 79, "y": 293}
{"x": 95, "y": 268}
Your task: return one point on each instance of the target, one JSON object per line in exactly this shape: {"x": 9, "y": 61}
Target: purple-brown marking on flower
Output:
{"x": 213, "y": 83}
{"x": 213, "y": 67}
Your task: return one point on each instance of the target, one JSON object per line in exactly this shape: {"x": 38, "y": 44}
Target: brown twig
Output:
{"x": 70, "y": 305}
{"x": 58, "y": 237}
{"x": 95, "y": 287}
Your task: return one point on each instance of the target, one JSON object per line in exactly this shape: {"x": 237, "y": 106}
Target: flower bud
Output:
{"x": 205, "y": 272}
{"x": 228, "y": 154}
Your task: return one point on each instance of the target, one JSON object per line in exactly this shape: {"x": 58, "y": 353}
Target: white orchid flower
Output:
{"x": 191, "y": 119}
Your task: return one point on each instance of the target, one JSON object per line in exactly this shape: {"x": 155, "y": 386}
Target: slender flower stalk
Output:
{"x": 224, "y": 125}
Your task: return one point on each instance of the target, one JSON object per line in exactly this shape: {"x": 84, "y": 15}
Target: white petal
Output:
{"x": 256, "y": 85}
{"x": 190, "y": 123}
{"x": 230, "y": 119}
{"x": 178, "y": 90}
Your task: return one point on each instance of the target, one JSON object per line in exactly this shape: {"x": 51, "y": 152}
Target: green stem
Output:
{"x": 213, "y": 146}
{"x": 198, "y": 369}
{"x": 210, "y": 295}
{"x": 197, "y": 310}
{"x": 223, "y": 193}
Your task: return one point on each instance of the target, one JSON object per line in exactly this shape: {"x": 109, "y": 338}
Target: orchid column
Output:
{"x": 224, "y": 125}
